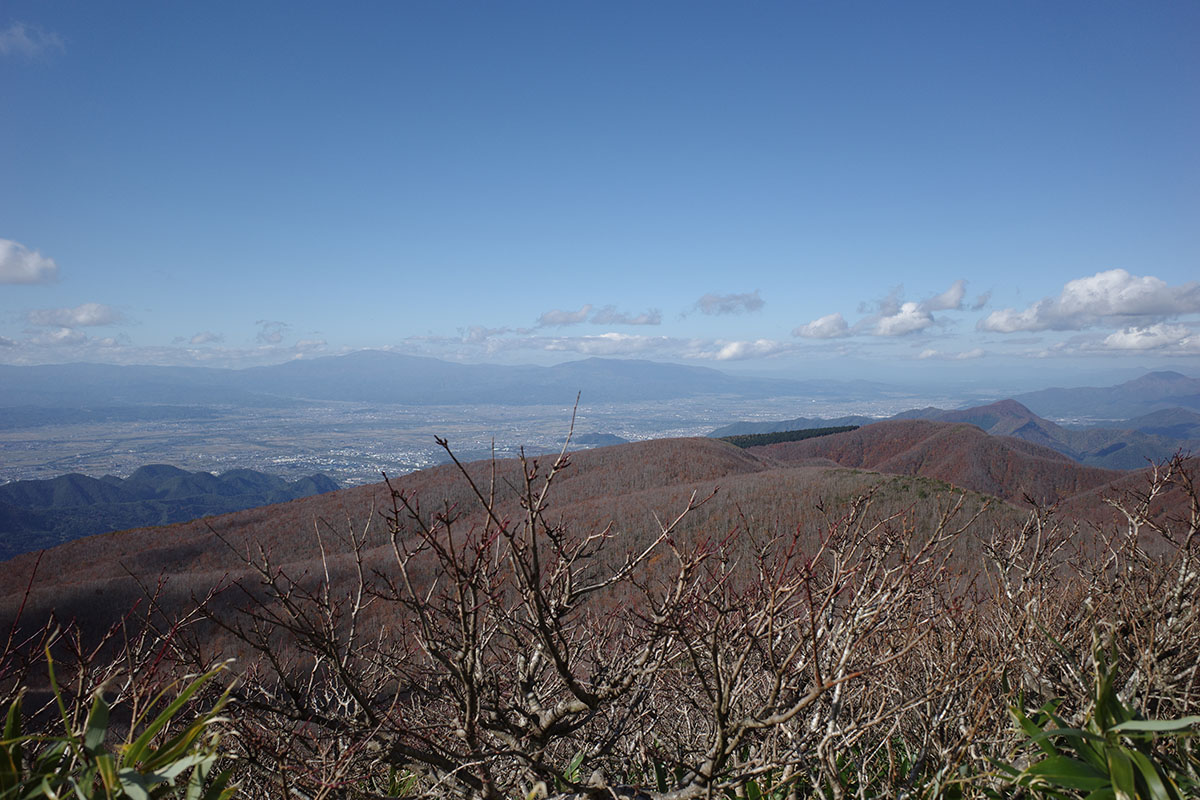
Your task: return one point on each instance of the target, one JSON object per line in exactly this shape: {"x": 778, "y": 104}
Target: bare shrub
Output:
{"x": 495, "y": 653}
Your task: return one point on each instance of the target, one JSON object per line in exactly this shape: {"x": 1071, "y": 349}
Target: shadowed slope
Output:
{"x": 287, "y": 529}
{"x": 43, "y": 513}
{"x": 97, "y": 579}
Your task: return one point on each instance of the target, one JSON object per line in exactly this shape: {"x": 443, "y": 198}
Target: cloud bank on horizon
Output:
{"x": 568, "y": 182}
{"x": 1123, "y": 313}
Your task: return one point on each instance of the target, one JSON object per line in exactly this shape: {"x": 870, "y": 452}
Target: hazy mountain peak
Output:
{"x": 1009, "y": 407}
{"x": 156, "y": 472}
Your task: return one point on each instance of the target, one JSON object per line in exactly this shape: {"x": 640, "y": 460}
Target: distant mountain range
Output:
{"x": 43, "y": 513}
{"x": 1125, "y": 444}
{"x": 1151, "y": 392}
{"x": 382, "y": 377}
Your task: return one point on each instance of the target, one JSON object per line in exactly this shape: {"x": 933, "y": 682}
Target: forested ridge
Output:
{"x": 758, "y": 439}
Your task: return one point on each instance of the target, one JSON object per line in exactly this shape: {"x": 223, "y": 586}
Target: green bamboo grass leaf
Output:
{"x": 1120, "y": 770}
{"x": 107, "y": 767}
{"x": 136, "y": 785}
{"x": 12, "y": 723}
{"x": 1070, "y": 733}
{"x": 177, "y": 747}
{"x": 1090, "y": 751}
{"x": 1066, "y": 772}
{"x": 96, "y": 726}
{"x": 1155, "y": 725}
{"x": 199, "y": 778}
{"x": 660, "y": 775}
{"x": 1103, "y": 793}
{"x": 58, "y": 698}
{"x": 1032, "y": 729}
{"x": 177, "y": 768}
{"x": 570, "y": 775}
{"x": 219, "y": 788}
{"x": 10, "y": 749}
{"x": 1008, "y": 769}
{"x": 1153, "y": 779}
{"x": 138, "y": 749}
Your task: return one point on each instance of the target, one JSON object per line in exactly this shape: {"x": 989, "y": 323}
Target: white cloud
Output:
{"x": 1114, "y": 296}
{"x": 730, "y": 303}
{"x": 28, "y": 41}
{"x": 830, "y": 326}
{"x": 66, "y": 345}
{"x": 966, "y": 355}
{"x": 1009, "y": 320}
{"x": 739, "y": 350}
{"x": 308, "y": 346}
{"x": 981, "y": 301}
{"x": 271, "y": 331}
{"x": 949, "y": 300}
{"x": 479, "y": 333}
{"x": 206, "y": 337}
{"x": 891, "y": 316}
{"x": 1154, "y": 337}
{"x": 910, "y": 318}
{"x": 18, "y": 264}
{"x": 81, "y": 316}
{"x": 61, "y": 336}
{"x": 607, "y": 344}
{"x": 610, "y": 316}
{"x": 558, "y": 318}
{"x": 5, "y": 342}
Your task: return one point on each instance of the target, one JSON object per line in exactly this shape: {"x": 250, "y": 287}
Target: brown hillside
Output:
{"x": 758, "y": 492}
{"x": 1171, "y": 505}
{"x": 627, "y": 485}
{"x": 197, "y": 547}
{"x": 1009, "y": 418}
{"x": 957, "y": 453}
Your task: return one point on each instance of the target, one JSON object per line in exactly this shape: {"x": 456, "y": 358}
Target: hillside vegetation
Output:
{"x": 855, "y": 615}
{"x": 758, "y": 439}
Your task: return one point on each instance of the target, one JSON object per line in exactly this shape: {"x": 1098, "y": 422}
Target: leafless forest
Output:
{"x": 680, "y": 619}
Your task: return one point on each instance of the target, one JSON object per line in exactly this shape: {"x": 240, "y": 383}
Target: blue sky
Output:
{"x": 806, "y": 188}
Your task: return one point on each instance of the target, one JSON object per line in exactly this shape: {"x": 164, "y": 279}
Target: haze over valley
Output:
{"x": 379, "y": 412}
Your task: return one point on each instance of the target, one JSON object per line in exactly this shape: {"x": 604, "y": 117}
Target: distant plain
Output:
{"x": 354, "y": 442}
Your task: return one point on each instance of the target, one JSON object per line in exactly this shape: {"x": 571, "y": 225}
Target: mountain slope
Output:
{"x": 958, "y": 453}
{"x": 43, "y": 513}
{"x": 1171, "y": 423}
{"x": 625, "y": 490}
{"x": 1153, "y": 391}
{"x": 1127, "y": 445}
{"x": 1118, "y": 446}
{"x": 797, "y": 424}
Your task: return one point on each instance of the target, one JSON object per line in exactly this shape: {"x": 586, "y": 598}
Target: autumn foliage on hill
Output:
{"x": 683, "y": 617}
{"x": 962, "y": 454}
